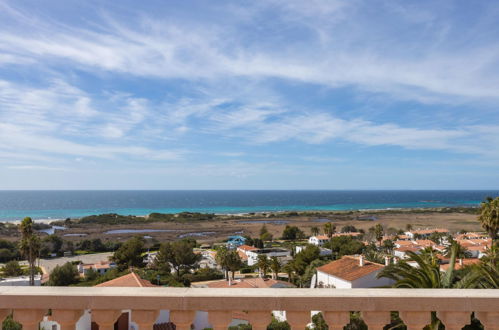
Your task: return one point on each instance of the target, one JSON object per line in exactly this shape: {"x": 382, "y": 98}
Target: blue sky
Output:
{"x": 271, "y": 94}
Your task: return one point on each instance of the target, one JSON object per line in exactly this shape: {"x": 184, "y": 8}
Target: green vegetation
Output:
{"x": 64, "y": 275}
{"x": 344, "y": 245}
{"x": 130, "y": 254}
{"x": 10, "y": 324}
{"x": 229, "y": 260}
{"x": 12, "y": 268}
{"x": 180, "y": 255}
{"x": 292, "y": 233}
{"x": 29, "y": 246}
{"x": 489, "y": 216}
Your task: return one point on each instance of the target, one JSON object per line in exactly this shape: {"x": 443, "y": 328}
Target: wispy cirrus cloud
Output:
{"x": 155, "y": 48}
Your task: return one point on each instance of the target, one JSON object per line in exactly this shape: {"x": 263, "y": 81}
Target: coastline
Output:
{"x": 276, "y": 211}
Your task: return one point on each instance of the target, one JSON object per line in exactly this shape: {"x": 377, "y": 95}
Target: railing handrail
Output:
{"x": 486, "y": 300}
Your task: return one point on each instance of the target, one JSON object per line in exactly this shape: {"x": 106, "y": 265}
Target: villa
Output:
{"x": 351, "y": 272}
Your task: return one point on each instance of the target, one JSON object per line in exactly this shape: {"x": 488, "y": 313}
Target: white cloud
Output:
{"x": 208, "y": 50}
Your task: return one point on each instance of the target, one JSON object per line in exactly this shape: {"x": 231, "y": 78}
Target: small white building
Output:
{"x": 319, "y": 240}
{"x": 270, "y": 252}
{"x": 351, "y": 272}
{"x": 323, "y": 251}
{"x": 101, "y": 267}
{"x": 20, "y": 281}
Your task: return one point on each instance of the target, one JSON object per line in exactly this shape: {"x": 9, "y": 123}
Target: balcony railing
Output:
{"x": 30, "y": 304}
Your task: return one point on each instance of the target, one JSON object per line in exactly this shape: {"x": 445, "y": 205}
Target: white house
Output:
{"x": 319, "y": 240}
{"x": 323, "y": 251}
{"x": 351, "y": 272}
{"x": 270, "y": 252}
{"x": 20, "y": 281}
{"x": 100, "y": 267}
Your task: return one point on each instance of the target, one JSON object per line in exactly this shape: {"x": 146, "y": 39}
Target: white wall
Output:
{"x": 368, "y": 281}
{"x": 332, "y": 281}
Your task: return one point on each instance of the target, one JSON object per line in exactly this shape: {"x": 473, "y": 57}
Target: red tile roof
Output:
{"x": 128, "y": 280}
{"x": 246, "y": 248}
{"x": 348, "y": 268}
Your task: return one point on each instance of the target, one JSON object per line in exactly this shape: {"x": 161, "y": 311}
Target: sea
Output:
{"x": 47, "y": 205}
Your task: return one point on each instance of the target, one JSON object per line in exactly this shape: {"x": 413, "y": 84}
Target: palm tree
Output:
{"x": 388, "y": 245}
{"x": 275, "y": 266}
{"x": 425, "y": 275}
{"x": 484, "y": 275}
{"x": 378, "y": 233}
{"x": 263, "y": 264}
{"x": 30, "y": 246}
{"x": 329, "y": 229}
{"x": 489, "y": 216}
{"x": 222, "y": 260}
{"x": 461, "y": 251}
{"x": 314, "y": 230}
{"x": 233, "y": 262}
{"x": 288, "y": 268}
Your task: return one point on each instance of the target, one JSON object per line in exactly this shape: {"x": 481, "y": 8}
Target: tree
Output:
{"x": 314, "y": 231}
{"x": 263, "y": 231}
{"x": 263, "y": 264}
{"x": 234, "y": 262}
{"x": 292, "y": 233}
{"x": 181, "y": 256}
{"x": 329, "y": 229}
{"x": 223, "y": 260}
{"x": 388, "y": 245}
{"x": 489, "y": 216}
{"x": 425, "y": 275}
{"x": 275, "y": 266}
{"x": 30, "y": 246}
{"x": 345, "y": 245}
{"x": 378, "y": 233}
{"x": 129, "y": 254}
{"x": 161, "y": 262}
{"x": 10, "y": 324}
{"x": 302, "y": 260}
{"x": 52, "y": 244}
{"x": 288, "y": 269}
{"x": 408, "y": 227}
{"x": 349, "y": 229}
{"x": 64, "y": 275}
{"x": 12, "y": 268}
{"x": 461, "y": 251}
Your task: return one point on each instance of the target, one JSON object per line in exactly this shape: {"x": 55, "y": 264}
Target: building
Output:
{"x": 282, "y": 254}
{"x": 350, "y": 272}
{"x": 319, "y": 240}
{"x": 124, "y": 321}
{"x": 323, "y": 251}
{"x": 100, "y": 267}
{"x": 425, "y": 233}
{"x": 235, "y": 241}
{"x": 20, "y": 281}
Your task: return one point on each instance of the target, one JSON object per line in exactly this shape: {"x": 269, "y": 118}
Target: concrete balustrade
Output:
{"x": 454, "y": 307}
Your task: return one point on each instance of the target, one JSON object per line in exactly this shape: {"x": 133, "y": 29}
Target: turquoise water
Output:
{"x": 15, "y": 205}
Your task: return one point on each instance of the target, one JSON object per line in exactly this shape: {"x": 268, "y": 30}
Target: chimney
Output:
{"x": 387, "y": 261}
{"x": 395, "y": 260}
{"x": 460, "y": 261}
{"x": 361, "y": 261}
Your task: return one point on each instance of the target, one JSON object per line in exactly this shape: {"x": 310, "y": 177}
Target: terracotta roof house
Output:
{"x": 350, "y": 272}
{"x": 127, "y": 281}
{"x": 460, "y": 263}
{"x": 124, "y": 322}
